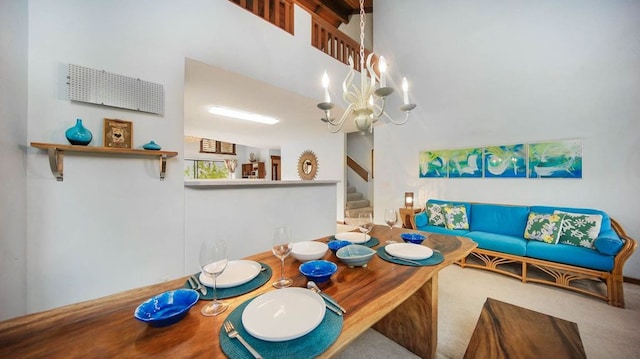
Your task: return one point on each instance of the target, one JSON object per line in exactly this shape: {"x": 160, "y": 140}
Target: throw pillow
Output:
{"x": 543, "y": 227}
{"x": 456, "y": 217}
{"x": 436, "y": 214}
{"x": 579, "y": 229}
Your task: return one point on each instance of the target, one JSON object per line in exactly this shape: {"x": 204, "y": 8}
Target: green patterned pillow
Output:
{"x": 435, "y": 214}
{"x": 579, "y": 229}
{"x": 544, "y": 227}
{"x": 456, "y": 217}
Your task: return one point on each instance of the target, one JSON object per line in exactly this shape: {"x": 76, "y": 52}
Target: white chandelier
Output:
{"x": 367, "y": 102}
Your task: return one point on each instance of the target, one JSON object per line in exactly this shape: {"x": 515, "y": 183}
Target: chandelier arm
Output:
{"x": 340, "y": 122}
{"x": 406, "y": 118}
{"x": 381, "y": 108}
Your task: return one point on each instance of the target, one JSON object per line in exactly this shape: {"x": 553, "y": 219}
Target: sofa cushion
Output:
{"x": 421, "y": 219}
{"x": 500, "y": 219}
{"x": 467, "y": 205}
{"x": 499, "y": 242}
{"x": 572, "y": 255}
{"x": 579, "y": 229}
{"x": 608, "y": 243}
{"x": 543, "y": 227}
{"x": 444, "y": 230}
{"x": 435, "y": 214}
{"x": 604, "y": 226}
{"x": 455, "y": 217}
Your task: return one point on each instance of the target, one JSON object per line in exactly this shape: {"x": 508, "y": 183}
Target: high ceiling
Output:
{"x": 335, "y": 12}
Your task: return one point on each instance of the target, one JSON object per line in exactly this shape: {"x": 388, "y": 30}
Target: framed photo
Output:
{"x": 118, "y": 133}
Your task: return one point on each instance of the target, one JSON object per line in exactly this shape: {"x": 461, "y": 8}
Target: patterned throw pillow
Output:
{"x": 579, "y": 229}
{"x": 456, "y": 217}
{"x": 544, "y": 227}
{"x": 436, "y": 214}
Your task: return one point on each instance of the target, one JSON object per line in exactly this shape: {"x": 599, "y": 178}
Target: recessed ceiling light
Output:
{"x": 242, "y": 115}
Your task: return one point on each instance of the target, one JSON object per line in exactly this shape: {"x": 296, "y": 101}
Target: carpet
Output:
{"x": 606, "y": 331}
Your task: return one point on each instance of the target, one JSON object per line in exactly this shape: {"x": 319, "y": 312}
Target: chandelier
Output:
{"x": 367, "y": 103}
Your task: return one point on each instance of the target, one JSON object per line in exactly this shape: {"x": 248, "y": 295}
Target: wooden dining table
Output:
{"x": 399, "y": 301}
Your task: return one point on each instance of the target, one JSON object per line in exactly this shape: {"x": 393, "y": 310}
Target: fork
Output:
{"x": 404, "y": 260}
{"x": 199, "y": 285}
{"x": 233, "y": 333}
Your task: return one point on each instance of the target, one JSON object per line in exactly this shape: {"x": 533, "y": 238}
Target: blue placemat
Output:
{"x": 307, "y": 346}
{"x": 372, "y": 242}
{"x": 255, "y": 283}
{"x": 436, "y": 258}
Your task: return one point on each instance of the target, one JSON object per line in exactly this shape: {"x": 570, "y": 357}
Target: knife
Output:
{"x": 335, "y": 310}
{"x": 200, "y": 287}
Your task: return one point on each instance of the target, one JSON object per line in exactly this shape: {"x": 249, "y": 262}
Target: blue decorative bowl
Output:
{"x": 415, "y": 238}
{"x": 166, "y": 308}
{"x": 337, "y": 244}
{"x": 355, "y": 255}
{"x": 318, "y": 271}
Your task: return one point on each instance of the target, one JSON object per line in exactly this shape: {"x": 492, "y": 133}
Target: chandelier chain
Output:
{"x": 362, "y": 34}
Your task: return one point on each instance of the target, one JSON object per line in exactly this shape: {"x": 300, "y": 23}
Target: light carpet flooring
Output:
{"x": 606, "y": 331}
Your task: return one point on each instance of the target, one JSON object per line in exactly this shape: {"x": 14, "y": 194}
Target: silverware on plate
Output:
{"x": 199, "y": 285}
{"x": 314, "y": 287}
{"x": 233, "y": 333}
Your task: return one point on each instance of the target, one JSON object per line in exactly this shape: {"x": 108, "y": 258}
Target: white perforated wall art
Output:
{"x": 104, "y": 88}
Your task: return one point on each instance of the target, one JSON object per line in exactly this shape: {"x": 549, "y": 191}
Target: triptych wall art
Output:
{"x": 552, "y": 159}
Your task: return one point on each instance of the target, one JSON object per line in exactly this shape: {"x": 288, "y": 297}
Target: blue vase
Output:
{"x": 78, "y": 134}
{"x": 151, "y": 146}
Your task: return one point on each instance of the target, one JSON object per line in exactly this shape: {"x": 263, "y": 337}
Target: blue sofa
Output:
{"x": 514, "y": 239}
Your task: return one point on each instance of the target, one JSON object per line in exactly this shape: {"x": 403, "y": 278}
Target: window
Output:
{"x": 205, "y": 169}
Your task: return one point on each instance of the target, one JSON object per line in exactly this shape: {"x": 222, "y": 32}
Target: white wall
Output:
{"x": 501, "y": 72}
{"x": 112, "y": 225}
{"x": 13, "y": 137}
{"x": 329, "y": 148}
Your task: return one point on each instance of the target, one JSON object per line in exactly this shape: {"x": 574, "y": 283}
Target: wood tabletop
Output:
{"x": 105, "y": 327}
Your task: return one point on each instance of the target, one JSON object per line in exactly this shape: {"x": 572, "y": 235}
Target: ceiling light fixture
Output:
{"x": 366, "y": 103}
{"x": 242, "y": 115}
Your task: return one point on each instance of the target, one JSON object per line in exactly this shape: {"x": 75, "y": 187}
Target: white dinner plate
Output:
{"x": 353, "y": 237}
{"x": 237, "y": 272}
{"x": 409, "y": 251}
{"x": 283, "y": 314}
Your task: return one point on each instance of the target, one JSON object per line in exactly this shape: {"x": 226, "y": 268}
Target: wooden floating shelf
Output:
{"x": 56, "y": 155}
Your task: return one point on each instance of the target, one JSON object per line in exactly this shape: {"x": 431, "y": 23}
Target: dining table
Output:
{"x": 399, "y": 301}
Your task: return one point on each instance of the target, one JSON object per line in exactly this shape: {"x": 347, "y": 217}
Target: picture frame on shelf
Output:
{"x": 118, "y": 133}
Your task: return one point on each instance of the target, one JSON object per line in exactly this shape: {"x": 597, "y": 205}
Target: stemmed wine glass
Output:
{"x": 365, "y": 223}
{"x": 213, "y": 260}
{"x": 282, "y": 245}
{"x": 390, "y": 218}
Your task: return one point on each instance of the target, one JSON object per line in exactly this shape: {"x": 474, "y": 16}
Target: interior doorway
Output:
{"x": 275, "y": 168}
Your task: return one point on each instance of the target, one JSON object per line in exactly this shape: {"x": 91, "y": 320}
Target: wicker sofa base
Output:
{"x": 556, "y": 274}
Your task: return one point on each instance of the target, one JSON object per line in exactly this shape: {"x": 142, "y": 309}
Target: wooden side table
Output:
{"x": 405, "y": 216}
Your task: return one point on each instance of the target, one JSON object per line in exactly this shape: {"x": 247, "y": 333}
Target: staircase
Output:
{"x": 356, "y": 204}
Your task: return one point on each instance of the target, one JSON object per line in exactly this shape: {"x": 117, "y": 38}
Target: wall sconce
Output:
{"x": 408, "y": 199}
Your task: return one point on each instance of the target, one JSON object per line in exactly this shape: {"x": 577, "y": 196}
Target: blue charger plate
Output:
{"x": 253, "y": 284}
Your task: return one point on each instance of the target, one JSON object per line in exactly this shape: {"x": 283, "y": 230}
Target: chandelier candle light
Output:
{"x": 367, "y": 102}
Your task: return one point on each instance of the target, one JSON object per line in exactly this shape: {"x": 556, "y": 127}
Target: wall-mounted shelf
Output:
{"x": 56, "y": 155}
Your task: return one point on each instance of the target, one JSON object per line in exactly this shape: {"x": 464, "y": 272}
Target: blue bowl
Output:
{"x": 337, "y": 244}
{"x": 355, "y": 255}
{"x": 415, "y": 238}
{"x": 166, "y": 308}
{"x": 318, "y": 271}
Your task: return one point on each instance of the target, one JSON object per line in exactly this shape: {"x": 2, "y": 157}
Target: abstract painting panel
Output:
{"x": 433, "y": 164}
{"x": 507, "y": 161}
{"x": 555, "y": 159}
{"x": 465, "y": 163}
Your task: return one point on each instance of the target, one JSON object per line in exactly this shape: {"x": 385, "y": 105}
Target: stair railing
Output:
{"x": 277, "y": 12}
{"x": 359, "y": 170}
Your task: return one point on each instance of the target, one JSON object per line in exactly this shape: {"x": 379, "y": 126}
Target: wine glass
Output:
{"x": 282, "y": 245}
{"x": 390, "y": 218}
{"x": 365, "y": 223}
{"x": 213, "y": 260}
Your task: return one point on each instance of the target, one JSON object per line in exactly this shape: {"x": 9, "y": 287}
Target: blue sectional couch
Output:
{"x": 565, "y": 244}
